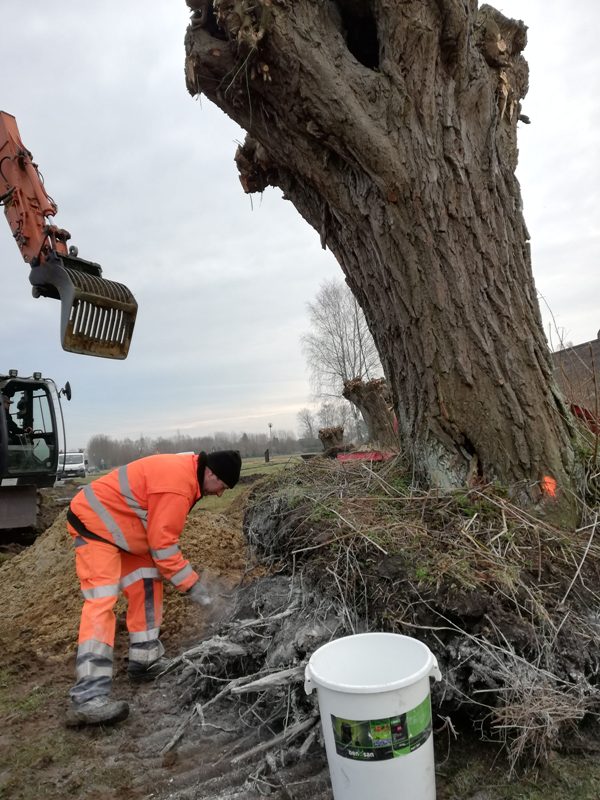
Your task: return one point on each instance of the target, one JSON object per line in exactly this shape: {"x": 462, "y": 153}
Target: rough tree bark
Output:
{"x": 392, "y": 127}
{"x": 374, "y": 402}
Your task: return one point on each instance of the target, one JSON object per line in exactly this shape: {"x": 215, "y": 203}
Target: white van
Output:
{"x": 71, "y": 465}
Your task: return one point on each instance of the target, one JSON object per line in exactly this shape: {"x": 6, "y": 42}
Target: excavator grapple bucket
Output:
{"x": 97, "y": 315}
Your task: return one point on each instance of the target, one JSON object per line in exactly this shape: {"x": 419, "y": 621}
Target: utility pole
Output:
{"x": 267, "y": 453}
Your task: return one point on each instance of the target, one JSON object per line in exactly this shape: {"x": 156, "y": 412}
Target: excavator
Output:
{"x": 97, "y": 315}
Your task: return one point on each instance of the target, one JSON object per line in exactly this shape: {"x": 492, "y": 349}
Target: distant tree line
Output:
{"x": 104, "y": 452}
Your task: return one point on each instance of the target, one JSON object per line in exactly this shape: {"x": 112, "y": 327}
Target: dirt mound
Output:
{"x": 40, "y": 598}
{"x": 41, "y": 601}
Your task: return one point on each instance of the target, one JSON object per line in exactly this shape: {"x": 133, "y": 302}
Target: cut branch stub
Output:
{"x": 253, "y": 165}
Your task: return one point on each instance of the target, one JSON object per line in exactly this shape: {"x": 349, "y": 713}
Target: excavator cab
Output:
{"x": 31, "y": 435}
{"x": 97, "y": 315}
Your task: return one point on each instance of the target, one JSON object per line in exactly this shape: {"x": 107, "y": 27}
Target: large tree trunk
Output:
{"x": 392, "y": 128}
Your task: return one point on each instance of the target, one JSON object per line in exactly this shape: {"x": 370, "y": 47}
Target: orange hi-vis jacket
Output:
{"x": 142, "y": 508}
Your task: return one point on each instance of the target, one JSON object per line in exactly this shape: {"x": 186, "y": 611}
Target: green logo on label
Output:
{"x": 382, "y": 739}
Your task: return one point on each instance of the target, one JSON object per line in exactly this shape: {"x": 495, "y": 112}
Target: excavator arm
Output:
{"x": 97, "y": 315}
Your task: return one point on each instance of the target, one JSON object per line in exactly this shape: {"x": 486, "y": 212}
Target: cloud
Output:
{"x": 559, "y": 161}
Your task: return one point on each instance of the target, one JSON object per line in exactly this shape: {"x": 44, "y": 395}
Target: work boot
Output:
{"x": 97, "y": 711}
{"x": 143, "y": 673}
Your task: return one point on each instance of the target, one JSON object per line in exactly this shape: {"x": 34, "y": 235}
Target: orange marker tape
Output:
{"x": 548, "y": 485}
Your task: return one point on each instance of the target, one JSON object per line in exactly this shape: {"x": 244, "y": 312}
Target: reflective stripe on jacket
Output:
{"x": 142, "y": 508}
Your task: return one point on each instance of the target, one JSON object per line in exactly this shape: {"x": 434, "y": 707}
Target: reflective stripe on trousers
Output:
{"x": 145, "y": 652}
{"x": 93, "y": 671}
{"x": 103, "y": 571}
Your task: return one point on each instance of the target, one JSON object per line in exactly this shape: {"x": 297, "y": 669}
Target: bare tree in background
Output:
{"x": 307, "y": 424}
{"x": 392, "y": 128}
{"x": 339, "y": 346}
{"x": 336, "y": 412}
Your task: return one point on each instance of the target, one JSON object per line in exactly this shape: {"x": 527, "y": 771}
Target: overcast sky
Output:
{"x": 145, "y": 182}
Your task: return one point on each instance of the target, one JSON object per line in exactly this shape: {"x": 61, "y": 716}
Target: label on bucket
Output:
{"x": 381, "y": 739}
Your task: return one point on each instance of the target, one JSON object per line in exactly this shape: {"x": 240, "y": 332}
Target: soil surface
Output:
{"x": 39, "y": 617}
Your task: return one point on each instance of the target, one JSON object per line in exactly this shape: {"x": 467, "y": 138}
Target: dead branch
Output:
{"x": 282, "y": 678}
{"x": 285, "y": 738}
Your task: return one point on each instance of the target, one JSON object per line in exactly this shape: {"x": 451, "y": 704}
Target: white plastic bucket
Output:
{"x": 373, "y": 692}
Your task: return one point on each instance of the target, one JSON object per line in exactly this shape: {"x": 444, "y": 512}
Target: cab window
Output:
{"x": 30, "y": 429}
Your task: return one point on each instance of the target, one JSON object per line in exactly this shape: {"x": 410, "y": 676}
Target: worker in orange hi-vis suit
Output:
{"x": 126, "y": 528}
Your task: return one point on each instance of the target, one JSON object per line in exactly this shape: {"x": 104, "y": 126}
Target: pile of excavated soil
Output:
{"x": 41, "y": 600}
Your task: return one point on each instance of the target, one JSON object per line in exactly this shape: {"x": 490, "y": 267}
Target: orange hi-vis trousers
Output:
{"x": 104, "y": 570}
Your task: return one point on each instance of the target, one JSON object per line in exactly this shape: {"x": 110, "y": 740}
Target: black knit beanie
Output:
{"x": 226, "y": 465}
{"x": 201, "y": 468}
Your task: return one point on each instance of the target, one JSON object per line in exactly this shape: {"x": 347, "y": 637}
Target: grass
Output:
{"x": 473, "y": 770}
{"x": 49, "y": 763}
{"x": 43, "y": 759}
{"x": 258, "y": 466}
{"x": 255, "y": 467}
{"x": 26, "y": 760}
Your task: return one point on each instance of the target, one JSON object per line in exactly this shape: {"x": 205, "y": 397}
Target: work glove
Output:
{"x": 199, "y": 594}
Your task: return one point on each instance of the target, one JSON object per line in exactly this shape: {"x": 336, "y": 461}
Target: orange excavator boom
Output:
{"x": 97, "y": 315}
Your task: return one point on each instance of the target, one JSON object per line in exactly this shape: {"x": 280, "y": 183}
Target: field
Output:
{"x": 252, "y": 469}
